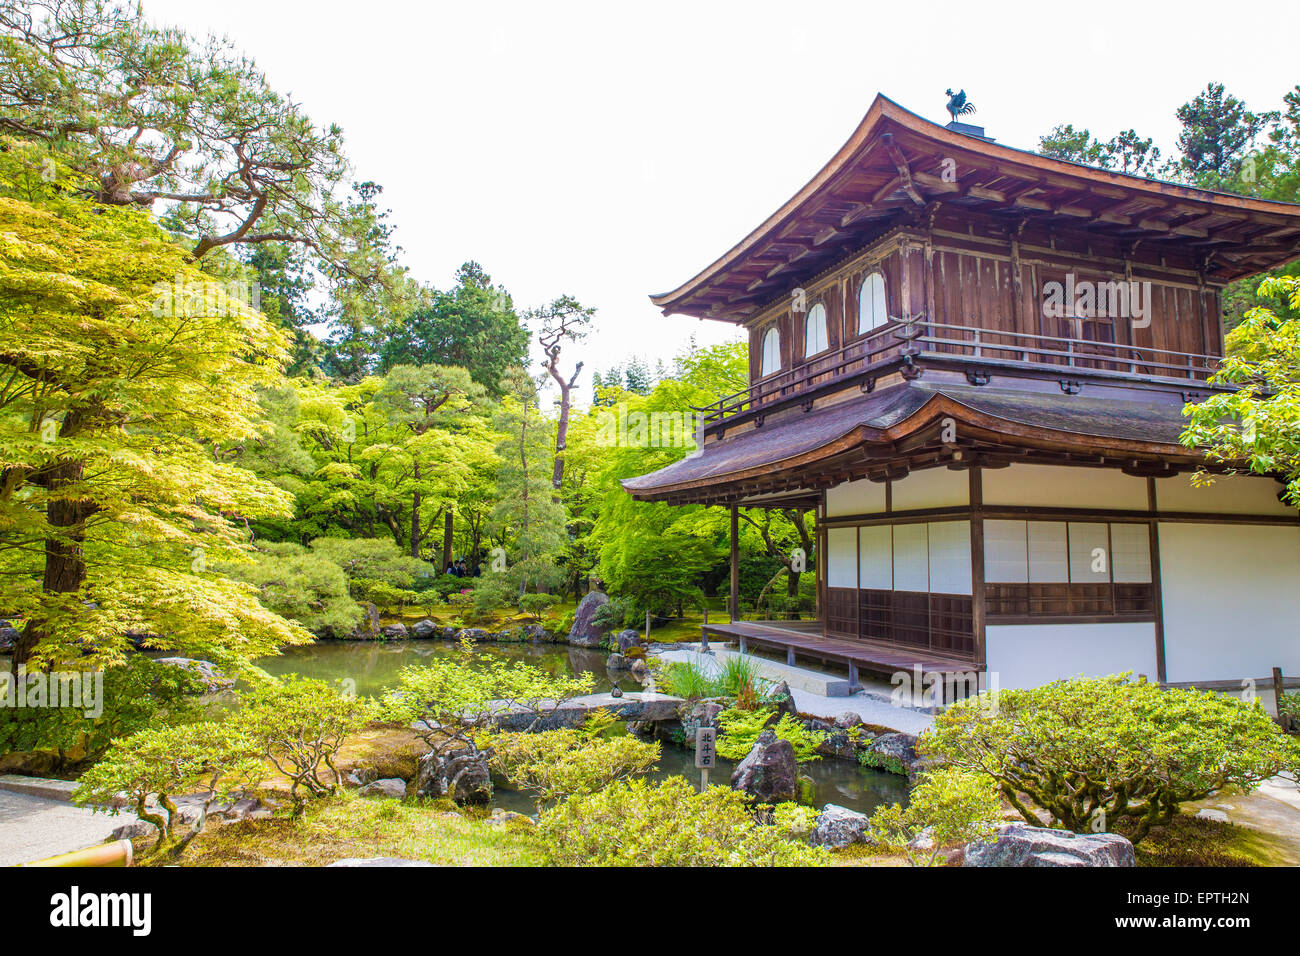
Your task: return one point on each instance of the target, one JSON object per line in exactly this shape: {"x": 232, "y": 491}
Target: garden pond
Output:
{"x": 374, "y": 667}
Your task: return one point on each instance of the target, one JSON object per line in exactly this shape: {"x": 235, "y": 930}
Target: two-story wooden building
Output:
{"x": 973, "y": 361}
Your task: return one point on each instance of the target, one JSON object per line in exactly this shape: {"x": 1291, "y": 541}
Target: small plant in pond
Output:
{"x": 886, "y": 762}
{"x": 950, "y": 806}
{"x": 739, "y": 730}
{"x": 555, "y": 764}
{"x": 153, "y": 767}
{"x": 300, "y": 724}
{"x": 636, "y": 823}
{"x": 1111, "y": 750}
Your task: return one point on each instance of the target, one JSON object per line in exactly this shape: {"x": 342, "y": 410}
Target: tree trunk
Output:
{"x": 415, "y": 513}
{"x": 448, "y": 527}
{"x": 65, "y": 560}
{"x": 561, "y": 437}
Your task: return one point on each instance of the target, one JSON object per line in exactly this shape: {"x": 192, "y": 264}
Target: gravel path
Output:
{"x": 32, "y": 828}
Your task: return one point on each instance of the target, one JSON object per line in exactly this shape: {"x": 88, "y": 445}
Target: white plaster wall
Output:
{"x": 860, "y": 497}
{"x": 842, "y": 557}
{"x": 1055, "y": 486}
{"x": 931, "y": 488}
{"x": 1231, "y": 600}
{"x": 1027, "y": 655}
{"x": 1231, "y": 494}
{"x": 876, "y": 557}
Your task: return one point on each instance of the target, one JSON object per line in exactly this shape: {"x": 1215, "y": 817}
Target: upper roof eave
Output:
{"x": 884, "y": 112}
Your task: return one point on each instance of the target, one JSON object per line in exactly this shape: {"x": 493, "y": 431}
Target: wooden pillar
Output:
{"x": 1157, "y": 601}
{"x": 819, "y": 556}
{"x": 977, "y": 564}
{"x": 734, "y": 604}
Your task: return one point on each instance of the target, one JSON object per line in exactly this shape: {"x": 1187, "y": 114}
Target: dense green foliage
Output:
{"x": 555, "y": 764}
{"x": 947, "y": 808}
{"x": 139, "y": 694}
{"x": 666, "y": 824}
{"x": 1110, "y": 752}
{"x": 739, "y": 730}
{"x": 1257, "y": 424}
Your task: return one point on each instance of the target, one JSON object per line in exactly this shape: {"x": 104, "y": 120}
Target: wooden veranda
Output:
{"x": 806, "y": 639}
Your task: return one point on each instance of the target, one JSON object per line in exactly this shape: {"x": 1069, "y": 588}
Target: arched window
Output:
{"x": 771, "y": 352}
{"x": 873, "y": 310}
{"x": 814, "y": 339}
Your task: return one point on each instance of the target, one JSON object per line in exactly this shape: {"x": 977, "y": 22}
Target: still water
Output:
{"x": 374, "y": 667}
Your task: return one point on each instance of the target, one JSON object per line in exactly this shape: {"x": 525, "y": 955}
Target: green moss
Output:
{"x": 347, "y": 826}
{"x": 1188, "y": 841}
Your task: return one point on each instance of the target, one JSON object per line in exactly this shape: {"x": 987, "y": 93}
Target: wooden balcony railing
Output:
{"x": 917, "y": 339}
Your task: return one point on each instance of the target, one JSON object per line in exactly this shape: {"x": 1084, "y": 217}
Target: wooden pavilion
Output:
{"x": 972, "y": 361}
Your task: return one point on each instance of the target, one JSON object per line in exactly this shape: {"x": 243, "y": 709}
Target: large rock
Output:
{"x": 1019, "y": 844}
{"x": 838, "y": 827}
{"x": 475, "y": 634}
{"x": 697, "y": 714}
{"x": 213, "y": 679}
{"x": 425, "y": 630}
{"x": 394, "y": 632}
{"x": 627, "y": 639}
{"x": 896, "y": 753}
{"x": 8, "y": 637}
{"x": 368, "y": 629}
{"x": 584, "y": 633}
{"x": 388, "y": 787}
{"x": 460, "y": 774}
{"x": 640, "y": 672}
{"x": 635, "y": 706}
{"x": 838, "y": 744}
{"x": 770, "y": 773}
{"x": 783, "y": 698}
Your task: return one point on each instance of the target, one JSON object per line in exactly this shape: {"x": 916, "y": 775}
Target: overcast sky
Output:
{"x": 612, "y": 150}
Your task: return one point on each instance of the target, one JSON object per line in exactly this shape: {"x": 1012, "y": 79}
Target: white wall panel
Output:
{"x": 856, "y": 498}
{"x": 842, "y": 557}
{"x": 876, "y": 567}
{"x": 950, "y": 571}
{"x": 931, "y": 488}
{"x": 1027, "y": 655}
{"x": 1231, "y": 601}
{"x": 911, "y": 558}
{"x": 1056, "y": 486}
{"x": 1234, "y": 494}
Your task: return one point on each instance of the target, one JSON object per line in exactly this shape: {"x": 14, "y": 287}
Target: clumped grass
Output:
{"x": 350, "y": 826}
{"x": 688, "y": 681}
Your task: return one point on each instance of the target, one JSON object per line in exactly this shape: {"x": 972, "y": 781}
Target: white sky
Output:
{"x": 610, "y": 150}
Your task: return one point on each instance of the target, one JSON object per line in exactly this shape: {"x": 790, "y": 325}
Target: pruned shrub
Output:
{"x": 300, "y": 724}
{"x": 561, "y": 763}
{"x": 666, "y": 824}
{"x": 954, "y": 806}
{"x": 154, "y": 766}
{"x": 1110, "y": 752}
